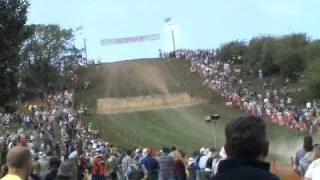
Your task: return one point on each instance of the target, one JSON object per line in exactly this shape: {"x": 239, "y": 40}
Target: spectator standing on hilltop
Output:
{"x": 246, "y": 147}
{"x": 19, "y": 162}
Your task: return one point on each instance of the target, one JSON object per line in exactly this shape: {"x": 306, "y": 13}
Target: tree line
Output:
{"x": 286, "y": 56}
{"x": 33, "y": 58}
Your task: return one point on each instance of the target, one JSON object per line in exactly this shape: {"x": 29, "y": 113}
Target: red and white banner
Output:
{"x": 127, "y": 40}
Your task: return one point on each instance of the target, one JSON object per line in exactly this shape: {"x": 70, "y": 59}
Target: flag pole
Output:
{"x": 85, "y": 49}
{"x": 169, "y": 22}
{"x": 173, "y": 41}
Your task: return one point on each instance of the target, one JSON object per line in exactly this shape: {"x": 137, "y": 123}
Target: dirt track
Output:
{"x": 143, "y": 103}
{"x": 135, "y": 75}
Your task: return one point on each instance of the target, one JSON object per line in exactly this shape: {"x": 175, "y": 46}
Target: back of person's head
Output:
{"x": 165, "y": 150}
{"x": 173, "y": 148}
{"x": 195, "y": 153}
{"x": 129, "y": 152}
{"x": 67, "y": 170}
{"x": 54, "y": 162}
{"x": 246, "y": 137}
{"x": 19, "y": 158}
{"x": 308, "y": 143}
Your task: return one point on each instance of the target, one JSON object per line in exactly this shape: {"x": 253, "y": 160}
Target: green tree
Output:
{"x": 47, "y": 54}
{"x": 268, "y": 56}
{"x": 13, "y": 17}
{"x": 313, "y": 50}
{"x": 290, "y": 55}
{"x": 232, "y": 50}
{"x": 314, "y": 87}
{"x": 252, "y": 57}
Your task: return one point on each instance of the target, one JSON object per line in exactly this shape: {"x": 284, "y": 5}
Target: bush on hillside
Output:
{"x": 314, "y": 87}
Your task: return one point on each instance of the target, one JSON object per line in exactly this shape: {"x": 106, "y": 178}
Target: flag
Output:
{"x": 168, "y": 19}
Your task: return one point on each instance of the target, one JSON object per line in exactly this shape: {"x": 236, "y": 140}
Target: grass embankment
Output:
{"x": 183, "y": 127}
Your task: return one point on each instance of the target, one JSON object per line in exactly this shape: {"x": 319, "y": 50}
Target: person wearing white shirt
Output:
{"x": 203, "y": 162}
{"x": 313, "y": 172}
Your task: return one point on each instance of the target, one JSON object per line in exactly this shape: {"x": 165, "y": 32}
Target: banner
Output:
{"x": 133, "y": 39}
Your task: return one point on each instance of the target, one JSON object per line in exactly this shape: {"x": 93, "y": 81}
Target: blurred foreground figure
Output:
{"x": 246, "y": 148}
{"x": 19, "y": 161}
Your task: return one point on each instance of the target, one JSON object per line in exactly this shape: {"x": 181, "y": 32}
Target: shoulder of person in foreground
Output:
{"x": 265, "y": 176}
{"x": 250, "y": 175}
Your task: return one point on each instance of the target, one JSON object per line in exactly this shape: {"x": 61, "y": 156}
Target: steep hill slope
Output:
{"x": 183, "y": 127}
{"x": 139, "y": 78}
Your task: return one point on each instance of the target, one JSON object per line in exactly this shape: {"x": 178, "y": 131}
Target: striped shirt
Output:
{"x": 166, "y": 164}
{"x": 305, "y": 162}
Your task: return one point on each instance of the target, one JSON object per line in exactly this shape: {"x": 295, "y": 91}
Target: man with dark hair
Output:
{"x": 51, "y": 173}
{"x": 246, "y": 147}
{"x": 307, "y": 147}
{"x": 19, "y": 161}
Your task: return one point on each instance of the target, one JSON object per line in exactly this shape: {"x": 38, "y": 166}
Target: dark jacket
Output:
{"x": 244, "y": 169}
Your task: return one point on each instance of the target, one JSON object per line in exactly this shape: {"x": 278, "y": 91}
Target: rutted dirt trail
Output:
{"x": 143, "y": 103}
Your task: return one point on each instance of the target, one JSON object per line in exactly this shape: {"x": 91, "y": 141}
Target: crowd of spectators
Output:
{"x": 274, "y": 102}
{"x": 53, "y": 144}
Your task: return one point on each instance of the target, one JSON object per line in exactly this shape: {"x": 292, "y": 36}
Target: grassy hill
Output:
{"x": 183, "y": 127}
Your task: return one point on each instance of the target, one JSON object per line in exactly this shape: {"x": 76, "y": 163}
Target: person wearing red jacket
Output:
{"x": 98, "y": 169}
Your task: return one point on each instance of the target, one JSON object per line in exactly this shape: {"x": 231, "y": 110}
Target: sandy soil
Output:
{"x": 143, "y": 103}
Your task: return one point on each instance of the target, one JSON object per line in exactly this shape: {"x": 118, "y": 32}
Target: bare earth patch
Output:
{"x": 144, "y": 103}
